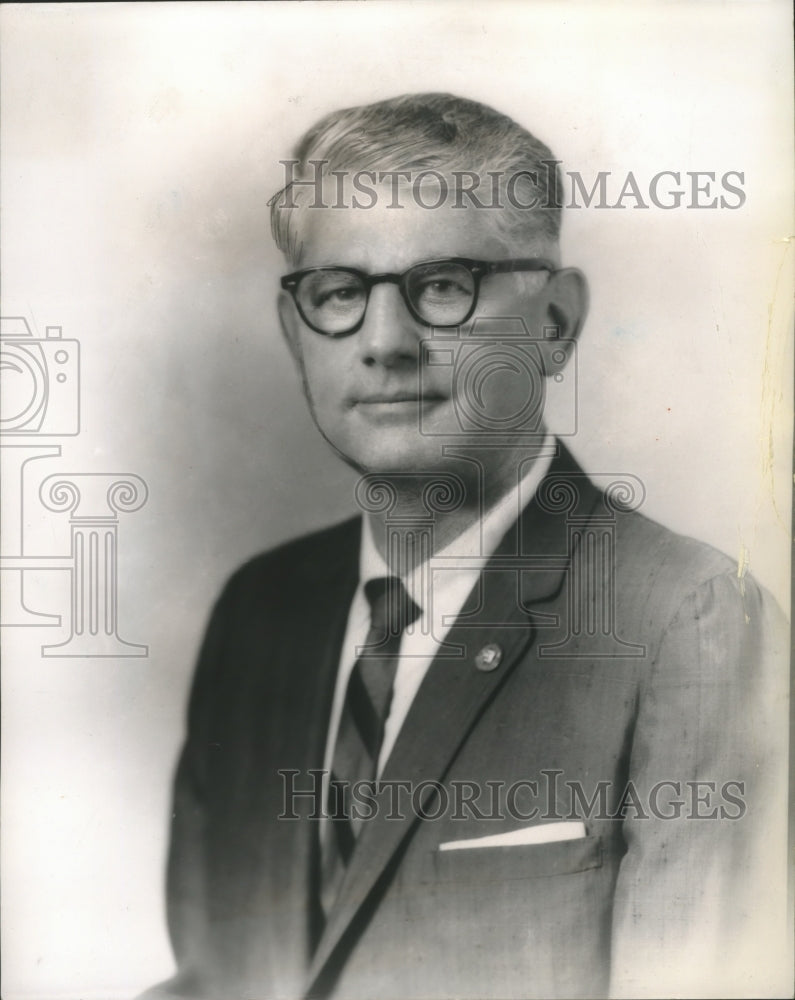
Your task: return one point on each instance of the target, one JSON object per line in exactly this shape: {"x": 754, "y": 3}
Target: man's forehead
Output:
{"x": 392, "y": 228}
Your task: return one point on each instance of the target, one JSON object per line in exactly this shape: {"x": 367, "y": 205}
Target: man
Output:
{"x": 502, "y": 735}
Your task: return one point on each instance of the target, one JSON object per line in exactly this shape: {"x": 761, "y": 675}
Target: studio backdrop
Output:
{"x": 154, "y": 433}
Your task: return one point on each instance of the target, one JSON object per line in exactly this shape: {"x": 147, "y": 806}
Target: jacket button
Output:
{"x": 489, "y": 657}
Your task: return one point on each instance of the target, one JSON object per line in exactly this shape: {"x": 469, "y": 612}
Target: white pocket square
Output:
{"x": 542, "y": 833}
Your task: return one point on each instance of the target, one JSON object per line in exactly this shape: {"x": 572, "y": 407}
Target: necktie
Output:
{"x": 361, "y": 728}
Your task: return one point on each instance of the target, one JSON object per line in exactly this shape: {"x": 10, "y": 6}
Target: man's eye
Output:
{"x": 334, "y": 294}
{"x": 442, "y": 287}
{"x": 337, "y": 295}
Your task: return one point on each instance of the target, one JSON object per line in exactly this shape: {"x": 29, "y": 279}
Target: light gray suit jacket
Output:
{"x": 630, "y": 660}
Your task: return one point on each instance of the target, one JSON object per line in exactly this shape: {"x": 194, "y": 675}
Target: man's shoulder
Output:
{"x": 326, "y": 552}
{"x": 661, "y": 573}
{"x": 652, "y": 563}
{"x": 685, "y": 561}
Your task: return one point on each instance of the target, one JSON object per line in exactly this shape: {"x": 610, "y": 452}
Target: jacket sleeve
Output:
{"x": 700, "y": 902}
{"x": 186, "y": 902}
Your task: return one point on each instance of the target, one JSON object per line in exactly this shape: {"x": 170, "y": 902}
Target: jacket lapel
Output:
{"x": 455, "y": 691}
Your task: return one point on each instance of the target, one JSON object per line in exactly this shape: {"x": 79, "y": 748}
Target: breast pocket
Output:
{"x": 484, "y": 865}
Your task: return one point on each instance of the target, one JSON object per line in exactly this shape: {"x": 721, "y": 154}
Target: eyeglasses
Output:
{"x": 333, "y": 300}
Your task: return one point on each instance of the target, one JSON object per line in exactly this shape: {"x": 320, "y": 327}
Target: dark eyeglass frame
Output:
{"x": 478, "y": 269}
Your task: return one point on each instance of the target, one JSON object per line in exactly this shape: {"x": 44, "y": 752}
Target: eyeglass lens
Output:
{"x": 441, "y": 293}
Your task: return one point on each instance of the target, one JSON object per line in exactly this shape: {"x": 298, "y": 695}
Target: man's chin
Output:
{"x": 401, "y": 458}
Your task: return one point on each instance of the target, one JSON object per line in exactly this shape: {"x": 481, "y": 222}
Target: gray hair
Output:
{"x": 441, "y": 132}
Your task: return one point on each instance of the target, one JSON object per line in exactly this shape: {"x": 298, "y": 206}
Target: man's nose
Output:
{"x": 389, "y": 335}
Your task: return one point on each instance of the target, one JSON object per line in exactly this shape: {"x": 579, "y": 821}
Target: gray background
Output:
{"x": 139, "y": 146}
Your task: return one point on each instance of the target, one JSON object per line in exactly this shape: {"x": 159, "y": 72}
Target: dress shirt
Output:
{"x": 439, "y": 587}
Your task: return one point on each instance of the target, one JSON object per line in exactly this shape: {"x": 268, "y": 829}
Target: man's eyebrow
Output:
{"x": 366, "y": 267}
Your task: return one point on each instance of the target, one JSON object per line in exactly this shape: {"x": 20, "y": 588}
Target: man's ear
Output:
{"x": 288, "y": 320}
{"x": 566, "y": 306}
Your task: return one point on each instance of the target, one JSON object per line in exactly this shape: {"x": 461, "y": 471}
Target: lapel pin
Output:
{"x": 489, "y": 657}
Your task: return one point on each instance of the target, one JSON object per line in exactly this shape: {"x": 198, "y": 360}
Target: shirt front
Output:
{"x": 439, "y": 587}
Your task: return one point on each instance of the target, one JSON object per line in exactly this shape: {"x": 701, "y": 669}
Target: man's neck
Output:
{"x": 452, "y": 501}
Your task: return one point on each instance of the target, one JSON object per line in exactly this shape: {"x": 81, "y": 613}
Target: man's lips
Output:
{"x": 387, "y": 398}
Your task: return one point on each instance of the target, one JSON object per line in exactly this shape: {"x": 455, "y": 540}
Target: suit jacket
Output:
{"x": 629, "y": 659}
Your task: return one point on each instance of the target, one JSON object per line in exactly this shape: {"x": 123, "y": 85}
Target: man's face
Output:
{"x": 371, "y": 393}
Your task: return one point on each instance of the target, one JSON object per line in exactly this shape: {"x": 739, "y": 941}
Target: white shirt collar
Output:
{"x": 479, "y": 540}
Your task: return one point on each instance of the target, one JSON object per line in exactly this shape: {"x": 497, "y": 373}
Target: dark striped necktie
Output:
{"x": 361, "y": 728}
